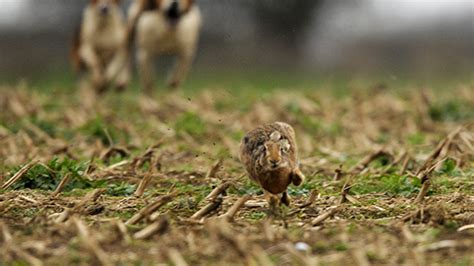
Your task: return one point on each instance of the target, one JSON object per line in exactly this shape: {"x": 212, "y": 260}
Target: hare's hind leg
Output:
{"x": 272, "y": 199}
{"x": 285, "y": 199}
{"x": 297, "y": 177}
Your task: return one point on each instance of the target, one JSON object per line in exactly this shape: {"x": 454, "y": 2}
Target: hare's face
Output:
{"x": 276, "y": 152}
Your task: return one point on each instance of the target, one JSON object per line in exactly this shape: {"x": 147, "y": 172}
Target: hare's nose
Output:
{"x": 274, "y": 162}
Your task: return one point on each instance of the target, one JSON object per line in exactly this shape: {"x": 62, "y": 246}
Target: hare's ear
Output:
{"x": 285, "y": 144}
{"x": 275, "y": 136}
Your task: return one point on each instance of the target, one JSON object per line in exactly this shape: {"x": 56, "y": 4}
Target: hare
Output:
{"x": 269, "y": 154}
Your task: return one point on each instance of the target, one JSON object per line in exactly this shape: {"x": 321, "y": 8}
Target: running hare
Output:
{"x": 269, "y": 154}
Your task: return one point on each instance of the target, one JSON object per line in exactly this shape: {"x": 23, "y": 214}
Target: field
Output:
{"x": 128, "y": 179}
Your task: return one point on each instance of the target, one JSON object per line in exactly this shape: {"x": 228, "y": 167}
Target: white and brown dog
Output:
{"x": 99, "y": 42}
{"x": 164, "y": 27}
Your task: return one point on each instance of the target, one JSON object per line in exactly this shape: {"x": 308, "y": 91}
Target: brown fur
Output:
{"x": 76, "y": 61}
{"x": 188, "y": 4}
{"x": 150, "y": 4}
{"x": 269, "y": 154}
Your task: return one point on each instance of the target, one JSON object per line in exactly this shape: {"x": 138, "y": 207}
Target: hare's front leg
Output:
{"x": 297, "y": 177}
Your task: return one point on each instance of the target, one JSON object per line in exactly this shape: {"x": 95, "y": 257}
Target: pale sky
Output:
{"x": 340, "y": 24}
{"x": 10, "y": 11}
{"x": 402, "y": 13}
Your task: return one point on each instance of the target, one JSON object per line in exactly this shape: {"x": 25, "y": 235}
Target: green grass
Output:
{"x": 261, "y": 79}
{"x": 256, "y": 215}
{"x": 99, "y": 128}
{"x": 47, "y": 177}
{"x": 452, "y": 110}
{"x": 122, "y": 189}
{"x": 246, "y": 187}
{"x": 391, "y": 184}
{"x": 416, "y": 139}
{"x": 190, "y": 123}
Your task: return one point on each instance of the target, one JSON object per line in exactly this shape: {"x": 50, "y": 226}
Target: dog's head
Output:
{"x": 173, "y": 10}
{"x": 104, "y": 7}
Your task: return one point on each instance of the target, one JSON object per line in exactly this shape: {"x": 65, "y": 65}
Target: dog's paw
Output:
{"x": 121, "y": 87}
{"x": 99, "y": 84}
{"x": 173, "y": 84}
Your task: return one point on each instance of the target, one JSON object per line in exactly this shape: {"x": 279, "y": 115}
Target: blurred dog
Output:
{"x": 98, "y": 43}
{"x": 164, "y": 27}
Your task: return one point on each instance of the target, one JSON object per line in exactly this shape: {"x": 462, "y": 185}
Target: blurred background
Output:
{"x": 419, "y": 38}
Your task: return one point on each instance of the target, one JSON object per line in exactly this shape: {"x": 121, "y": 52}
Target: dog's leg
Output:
{"x": 124, "y": 77}
{"x": 117, "y": 66}
{"x": 92, "y": 62}
{"x": 145, "y": 67}
{"x": 180, "y": 70}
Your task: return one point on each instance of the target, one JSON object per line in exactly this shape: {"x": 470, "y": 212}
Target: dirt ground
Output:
{"x": 128, "y": 179}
